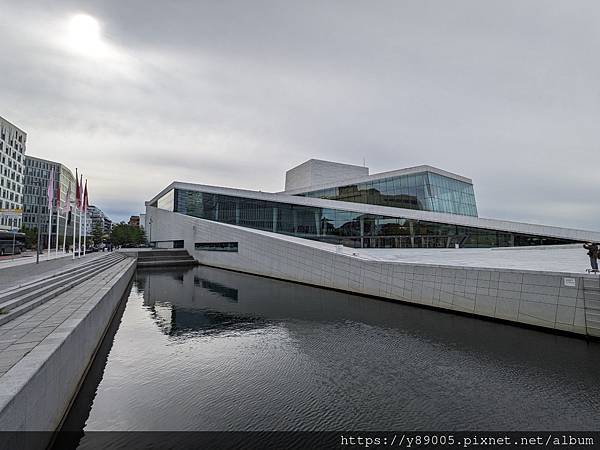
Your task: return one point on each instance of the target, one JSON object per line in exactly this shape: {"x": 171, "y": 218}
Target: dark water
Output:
{"x": 207, "y": 349}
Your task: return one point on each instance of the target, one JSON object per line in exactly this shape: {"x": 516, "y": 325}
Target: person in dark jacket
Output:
{"x": 593, "y": 252}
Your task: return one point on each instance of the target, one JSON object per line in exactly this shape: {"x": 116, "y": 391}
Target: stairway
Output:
{"x": 164, "y": 258}
{"x": 21, "y": 299}
{"x": 591, "y": 295}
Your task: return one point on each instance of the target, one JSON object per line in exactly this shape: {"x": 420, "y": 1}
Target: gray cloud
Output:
{"x": 231, "y": 93}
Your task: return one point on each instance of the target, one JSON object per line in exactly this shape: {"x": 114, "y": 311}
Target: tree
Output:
{"x": 123, "y": 233}
{"x": 30, "y": 236}
{"x": 97, "y": 233}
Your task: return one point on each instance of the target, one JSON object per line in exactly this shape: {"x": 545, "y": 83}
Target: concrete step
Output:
{"x": 38, "y": 300}
{"x": 152, "y": 253}
{"x": 52, "y": 285}
{"x": 168, "y": 262}
{"x": 162, "y": 258}
{"x": 66, "y": 270}
{"x": 35, "y": 284}
{"x": 167, "y": 258}
{"x": 48, "y": 292}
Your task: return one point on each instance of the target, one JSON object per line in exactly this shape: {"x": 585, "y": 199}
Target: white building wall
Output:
{"x": 527, "y": 297}
{"x": 315, "y": 172}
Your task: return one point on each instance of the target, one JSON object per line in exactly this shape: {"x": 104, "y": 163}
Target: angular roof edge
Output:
{"x": 364, "y": 208}
{"x": 13, "y": 125}
{"x": 379, "y": 176}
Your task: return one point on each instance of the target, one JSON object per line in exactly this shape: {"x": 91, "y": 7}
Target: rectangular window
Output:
{"x": 217, "y": 246}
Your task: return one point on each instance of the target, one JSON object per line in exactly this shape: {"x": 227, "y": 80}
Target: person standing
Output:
{"x": 593, "y": 253}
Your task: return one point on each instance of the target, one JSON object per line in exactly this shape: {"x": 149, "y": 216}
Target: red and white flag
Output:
{"x": 77, "y": 191}
{"x": 50, "y": 190}
{"x": 85, "y": 198}
{"x": 57, "y": 197}
{"x": 66, "y": 207}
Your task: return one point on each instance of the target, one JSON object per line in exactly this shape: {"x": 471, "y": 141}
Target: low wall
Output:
{"x": 546, "y": 299}
{"x": 38, "y": 390}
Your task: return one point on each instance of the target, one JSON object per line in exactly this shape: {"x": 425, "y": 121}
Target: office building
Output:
{"x": 134, "y": 221}
{"x": 37, "y": 176}
{"x": 13, "y": 142}
{"x": 99, "y": 219}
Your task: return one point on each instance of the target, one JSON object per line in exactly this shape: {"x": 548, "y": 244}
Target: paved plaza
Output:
{"x": 21, "y": 335}
{"x": 16, "y": 274}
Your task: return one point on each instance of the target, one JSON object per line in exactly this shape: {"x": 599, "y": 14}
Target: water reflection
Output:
{"x": 162, "y": 297}
{"x": 72, "y": 428}
{"x": 208, "y": 349}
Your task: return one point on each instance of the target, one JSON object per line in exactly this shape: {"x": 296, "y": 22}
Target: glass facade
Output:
{"x": 217, "y": 246}
{"x": 338, "y": 226}
{"x": 426, "y": 191}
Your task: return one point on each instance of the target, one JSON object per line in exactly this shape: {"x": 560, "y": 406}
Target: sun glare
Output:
{"x": 84, "y": 36}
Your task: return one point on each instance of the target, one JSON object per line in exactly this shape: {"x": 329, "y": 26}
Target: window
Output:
{"x": 217, "y": 246}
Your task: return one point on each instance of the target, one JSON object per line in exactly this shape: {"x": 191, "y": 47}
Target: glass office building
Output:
{"x": 426, "y": 191}
{"x": 341, "y": 225}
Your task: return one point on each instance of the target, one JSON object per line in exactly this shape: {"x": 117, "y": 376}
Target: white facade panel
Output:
{"x": 317, "y": 172}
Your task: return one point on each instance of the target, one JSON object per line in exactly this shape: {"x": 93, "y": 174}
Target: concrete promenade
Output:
{"x": 29, "y": 257}
{"x": 45, "y": 352}
{"x": 21, "y": 273}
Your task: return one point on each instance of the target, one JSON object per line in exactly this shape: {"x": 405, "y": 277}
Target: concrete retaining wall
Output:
{"x": 38, "y": 390}
{"x": 546, "y": 299}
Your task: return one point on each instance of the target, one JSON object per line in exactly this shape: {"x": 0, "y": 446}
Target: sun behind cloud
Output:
{"x": 84, "y": 36}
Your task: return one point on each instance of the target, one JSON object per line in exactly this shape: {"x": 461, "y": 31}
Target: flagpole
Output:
{"x": 50, "y": 199}
{"x": 67, "y": 212}
{"x": 85, "y": 207}
{"x": 49, "y": 230}
{"x": 80, "y": 223}
{"x": 57, "y": 225}
{"x": 80, "y": 216}
{"x": 65, "y": 235}
{"x": 57, "y": 201}
{"x": 85, "y": 232}
{"x": 74, "y": 222}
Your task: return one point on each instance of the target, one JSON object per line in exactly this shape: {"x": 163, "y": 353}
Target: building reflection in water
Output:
{"x": 175, "y": 299}
{"x": 209, "y": 300}
{"x": 210, "y": 349}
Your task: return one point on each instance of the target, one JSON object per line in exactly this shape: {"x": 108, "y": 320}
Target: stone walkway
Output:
{"x": 16, "y": 275}
{"x": 29, "y": 257}
{"x": 18, "y": 337}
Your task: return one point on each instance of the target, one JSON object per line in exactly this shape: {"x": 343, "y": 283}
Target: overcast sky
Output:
{"x": 234, "y": 93}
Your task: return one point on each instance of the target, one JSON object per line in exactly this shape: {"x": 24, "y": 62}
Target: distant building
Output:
{"x": 12, "y": 162}
{"x": 143, "y": 221}
{"x": 98, "y": 218}
{"x": 35, "y": 200}
{"x": 134, "y": 221}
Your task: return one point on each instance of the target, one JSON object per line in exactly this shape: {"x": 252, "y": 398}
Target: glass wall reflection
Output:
{"x": 425, "y": 191}
{"x": 335, "y": 226}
